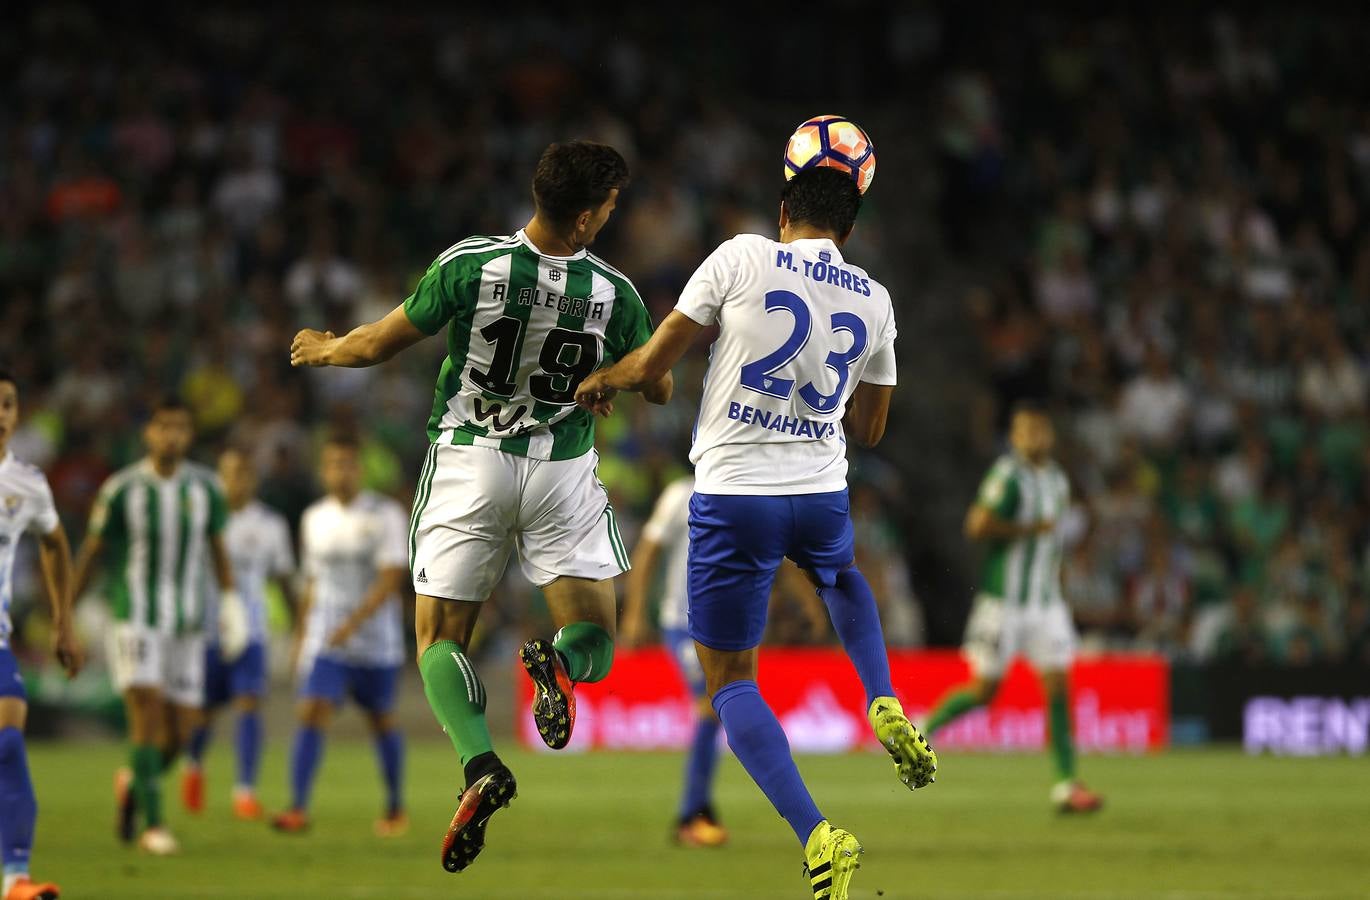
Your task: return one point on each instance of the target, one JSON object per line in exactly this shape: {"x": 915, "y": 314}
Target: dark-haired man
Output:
{"x": 157, "y": 526}
{"x": 804, "y": 361}
{"x": 511, "y": 460}
{"x": 26, "y": 506}
{"x": 1020, "y": 608}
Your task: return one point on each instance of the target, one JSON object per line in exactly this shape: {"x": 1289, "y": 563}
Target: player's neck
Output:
{"x": 237, "y": 503}
{"x": 547, "y": 240}
{"x": 345, "y": 498}
{"x": 164, "y": 468}
{"x": 805, "y": 232}
{"x": 4, "y": 450}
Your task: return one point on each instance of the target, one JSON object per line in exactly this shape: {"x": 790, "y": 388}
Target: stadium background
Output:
{"x": 1156, "y": 222}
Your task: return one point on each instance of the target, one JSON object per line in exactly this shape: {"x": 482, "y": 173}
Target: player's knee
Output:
{"x": 313, "y": 712}
{"x": 246, "y": 703}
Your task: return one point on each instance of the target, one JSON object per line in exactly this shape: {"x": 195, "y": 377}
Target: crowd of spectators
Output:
{"x": 176, "y": 201}
{"x": 1190, "y": 287}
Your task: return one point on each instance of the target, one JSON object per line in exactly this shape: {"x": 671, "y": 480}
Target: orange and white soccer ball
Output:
{"x": 831, "y": 141}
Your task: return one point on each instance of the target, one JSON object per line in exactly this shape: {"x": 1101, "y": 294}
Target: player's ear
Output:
{"x": 842, "y": 239}
{"x": 583, "y": 221}
{"x": 784, "y": 216}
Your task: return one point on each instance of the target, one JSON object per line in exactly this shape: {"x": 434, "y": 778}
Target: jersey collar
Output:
{"x": 818, "y": 245}
{"x": 579, "y": 254}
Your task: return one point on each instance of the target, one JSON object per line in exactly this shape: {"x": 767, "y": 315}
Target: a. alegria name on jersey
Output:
{"x": 761, "y": 418}
{"x": 577, "y": 307}
{"x": 822, "y": 270}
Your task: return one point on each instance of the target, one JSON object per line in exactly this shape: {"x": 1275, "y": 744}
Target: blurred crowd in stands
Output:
{"x": 1161, "y": 228}
{"x": 1189, "y": 285}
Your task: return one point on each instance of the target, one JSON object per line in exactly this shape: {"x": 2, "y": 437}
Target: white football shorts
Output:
{"x": 140, "y": 656}
{"x": 998, "y": 631}
{"x": 476, "y": 504}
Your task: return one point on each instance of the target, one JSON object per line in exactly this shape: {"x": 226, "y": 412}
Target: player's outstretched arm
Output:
{"x": 54, "y": 558}
{"x": 365, "y": 345}
{"x": 646, "y": 369}
{"x": 632, "y": 630}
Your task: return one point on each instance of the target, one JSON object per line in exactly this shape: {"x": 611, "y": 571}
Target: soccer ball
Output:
{"x": 831, "y": 141}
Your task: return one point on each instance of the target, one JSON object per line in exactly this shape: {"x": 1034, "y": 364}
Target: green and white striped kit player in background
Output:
{"x": 511, "y": 458}
{"x": 1020, "y": 607}
{"x": 156, "y": 528}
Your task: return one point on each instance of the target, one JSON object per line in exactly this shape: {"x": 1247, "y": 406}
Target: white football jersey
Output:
{"x": 25, "y": 506}
{"x": 257, "y": 539}
{"x": 344, "y": 548}
{"x": 669, "y": 527}
{"x": 799, "y": 328}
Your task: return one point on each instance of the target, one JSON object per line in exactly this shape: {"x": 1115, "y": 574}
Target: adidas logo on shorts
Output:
{"x": 421, "y": 578}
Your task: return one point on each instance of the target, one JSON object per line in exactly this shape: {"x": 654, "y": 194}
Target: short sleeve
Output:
{"x": 218, "y": 507}
{"x": 703, "y": 294}
{"x": 44, "y": 519}
{"x": 630, "y": 325}
{"x": 106, "y": 516}
{"x": 393, "y": 547}
{"x": 669, "y": 514}
{"x": 882, "y": 367}
{"x": 999, "y": 491}
{"x": 309, "y": 562}
{"x": 432, "y": 304}
{"x": 282, "y": 561}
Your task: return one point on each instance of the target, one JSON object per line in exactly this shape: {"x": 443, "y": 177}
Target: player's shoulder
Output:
{"x": 24, "y": 476}
{"x": 381, "y": 504}
{"x": 199, "y": 472}
{"x": 1006, "y": 465}
{"x": 747, "y": 245}
{"x": 476, "y": 245}
{"x": 621, "y": 282}
{"x": 122, "y": 478}
{"x": 261, "y": 512}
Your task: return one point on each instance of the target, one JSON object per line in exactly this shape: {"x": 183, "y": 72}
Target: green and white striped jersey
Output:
{"x": 1025, "y": 570}
{"x": 524, "y": 329}
{"x": 156, "y": 533}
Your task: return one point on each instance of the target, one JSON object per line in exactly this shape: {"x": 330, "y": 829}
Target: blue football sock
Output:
{"x": 199, "y": 740}
{"x": 851, "y": 605}
{"x": 248, "y": 741}
{"x": 761, "y": 746}
{"x": 18, "y": 806}
{"x": 390, "y": 752}
{"x": 304, "y": 763}
{"x": 699, "y": 768}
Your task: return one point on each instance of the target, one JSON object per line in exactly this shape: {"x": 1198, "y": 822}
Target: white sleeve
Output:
{"x": 44, "y": 520}
{"x": 882, "y": 367}
{"x": 703, "y": 294}
{"x": 393, "y": 549}
{"x": 309, "y": 564}
{"x": 669, "y": 514}
{"x": 283, "y": 555}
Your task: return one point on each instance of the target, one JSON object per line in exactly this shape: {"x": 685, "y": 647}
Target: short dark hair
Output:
{"x": 1029, "y": 407}
{"x": 7, "y": 375}
{"x": 824, "y": 198}
{"x": 574, "y": 176}
{"x": 346, "y": 439}
{"x": 169, "y": 403}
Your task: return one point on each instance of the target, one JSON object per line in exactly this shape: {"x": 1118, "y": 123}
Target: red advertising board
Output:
{"x": 1120, "y": 703}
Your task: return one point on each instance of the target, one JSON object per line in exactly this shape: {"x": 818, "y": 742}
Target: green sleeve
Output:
{"x": 434, "y": 300}
{"x": 630, "y": 325}
{"x": 107, "y": 515}
{"x": 218, "y": 509}
{"x": 999, "y": 491}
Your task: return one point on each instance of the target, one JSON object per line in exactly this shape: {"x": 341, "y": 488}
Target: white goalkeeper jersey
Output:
{"x": 799, "y": 328}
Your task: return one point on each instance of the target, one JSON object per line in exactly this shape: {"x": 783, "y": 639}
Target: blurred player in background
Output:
{"x": 157, "y": 526}
{"x": 353, "y": 548}
{"x": 663, "y": 551}
{"x": 771, "y": 466}
{"x": 512, "y": 459}
{"x": 25, "y": 507}
{"x": 259, "y": 547}
{"x": 1021, "y": 608}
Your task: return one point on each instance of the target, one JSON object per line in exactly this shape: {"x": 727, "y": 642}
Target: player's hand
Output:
{"x": 595, "y": 394}
{"x": 310, "y": 347}
{"x": 342, "y": 635}
{"x": 68, "y": 650}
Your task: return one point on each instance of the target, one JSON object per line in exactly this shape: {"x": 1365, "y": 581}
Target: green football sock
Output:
{"x": 587, "y": 649}
{"x": 1062, "y": 744}
{"x": 953, "y": 704}
{"x": 146, "y": 762}
{"x": 457, "y": 697}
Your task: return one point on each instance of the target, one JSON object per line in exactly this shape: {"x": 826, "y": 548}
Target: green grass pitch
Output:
{"x": 1186, "y": 824}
